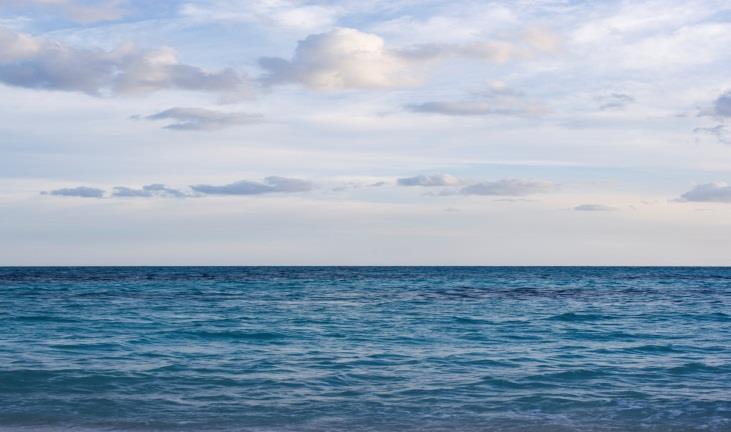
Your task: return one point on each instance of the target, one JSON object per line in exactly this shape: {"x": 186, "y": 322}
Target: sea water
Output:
{"x": 365, "y": 349}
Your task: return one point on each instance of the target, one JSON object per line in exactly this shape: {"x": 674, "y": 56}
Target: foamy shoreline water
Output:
{"x": 371, "y": 349}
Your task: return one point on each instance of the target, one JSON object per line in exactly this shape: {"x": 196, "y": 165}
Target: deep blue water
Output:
{"x": 365, "y": 349}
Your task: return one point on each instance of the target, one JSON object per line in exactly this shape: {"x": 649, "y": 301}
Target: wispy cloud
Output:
{"x": 720, "y": 132}
{"x": 497, "y": 100}
{"x": 203, "y": 119}
{"x": 615, "y": 101}
{"x": 470, "y": 108}
{"x": 82, "y": 11}
{"x": 271, "y": 184}
{"x": 508, "y": 187}
{"x": 594, "y": 208}
{"x": 279, "y": 13}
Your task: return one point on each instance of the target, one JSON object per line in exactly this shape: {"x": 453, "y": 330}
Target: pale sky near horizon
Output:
{"x": 403, "y": 132}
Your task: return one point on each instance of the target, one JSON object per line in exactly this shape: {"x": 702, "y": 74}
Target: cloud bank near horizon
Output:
{"x": 272, "y": 184}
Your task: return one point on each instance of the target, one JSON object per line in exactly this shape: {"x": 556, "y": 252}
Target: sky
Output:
{"x": 400, "y": 132}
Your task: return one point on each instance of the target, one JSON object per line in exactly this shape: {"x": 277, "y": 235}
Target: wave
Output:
{"x": 579, "y": 317}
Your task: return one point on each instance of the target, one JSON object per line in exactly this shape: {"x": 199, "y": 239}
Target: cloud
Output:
{"x": 719, "y": 132}
{"x": 498, "y": 99}
{"x": 594, "y": 207}
{"x": 340, "y": 59}
{"x": 80, "y": 191}
{"x": 615, "y": 101}
{"x": 27, "y": 61}
{"x": 722, "y": 105}
{"x": 468, "y": 108}
{"x": 523, "y": 46}
{"x": 81, "y": 11}
{"x": 508, "y": 187}
{"x": 147, "y": 191}
{"x": 346, "y": 58}
{"x": 245, "y": 187}
{"x": 709, "y": 192}
{"x": 271, "y": 184}
{"x": 429, "y": 180}
{"x": 721, "y": 112}
{"x": 203, "y": 119}
{"x": 280, "y": 13}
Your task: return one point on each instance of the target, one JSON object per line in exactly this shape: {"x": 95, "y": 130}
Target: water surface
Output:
{"x": 365, "y": 349}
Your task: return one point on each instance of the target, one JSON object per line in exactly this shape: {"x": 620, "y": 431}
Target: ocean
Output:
{"x": 365, "y": 349}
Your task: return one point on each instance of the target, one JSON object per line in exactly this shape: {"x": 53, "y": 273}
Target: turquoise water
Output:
{"x": 365, "y": 349}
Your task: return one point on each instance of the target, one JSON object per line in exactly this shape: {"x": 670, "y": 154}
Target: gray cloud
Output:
{"x": 719, "y": 132}
{"x": 27, "y": 61}
{"x": 497, "y": 100}
{"x": 429, "y": 180}
{"x": 615, "y": 101}
{"x": 469, "y": 108}
{"x": 245, "y": 187}
{"x": 147, "y": 191}
{"x": 722, "y": 105}
{"x": 508, "y": 187}
{"x": 80, "y": 191}
{"x": 721, "y": 112}
{"x": 594, "y": 207}
{"x": 203, "y": 119}
{"x": 709, "y": 192}
{"x": 345, "y": 58}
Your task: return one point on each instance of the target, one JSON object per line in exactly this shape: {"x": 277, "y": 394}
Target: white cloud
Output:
{"x": 709, "y": 192}
{"x": 340, "y": 59}
{"x": 346, "y": 58}
{"x": 27, "y": 61}
{"x": 659, "y": 36}
{"x": 429, "y": 180}
{"x": 203, "y": 119}
{"x": 271, "y": 184}
{"x": 80, "y": 191}
{"x": 508, "y": 187}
